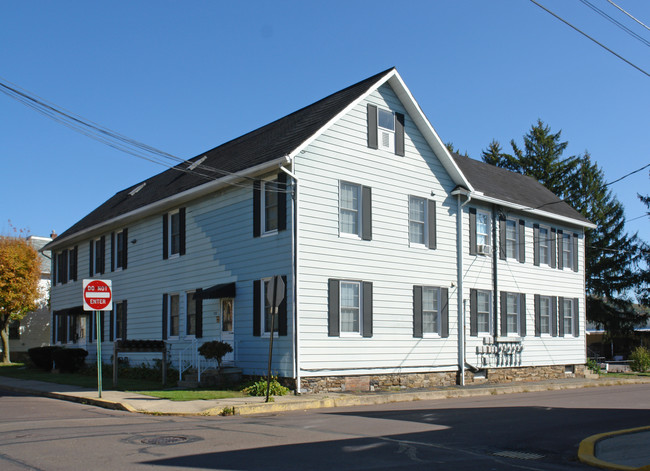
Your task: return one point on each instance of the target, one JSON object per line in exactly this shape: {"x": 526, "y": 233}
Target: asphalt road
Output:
{"x": 532, "y": 431}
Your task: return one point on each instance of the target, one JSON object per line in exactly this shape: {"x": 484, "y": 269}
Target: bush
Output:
{"x": 259, "y": 388}
{"x": 593, "y": 366}
{"x": 69, "y": 360}
{"x": 640, "y": 359}
{"x": 43, "y": 357}
{"x": 215, "y": 350}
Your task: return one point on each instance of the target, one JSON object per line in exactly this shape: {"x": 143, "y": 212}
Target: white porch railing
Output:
{"x": 189, "y": 358}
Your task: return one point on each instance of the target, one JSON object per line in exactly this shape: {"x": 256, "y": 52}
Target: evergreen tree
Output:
{"x": 643, "y": 286}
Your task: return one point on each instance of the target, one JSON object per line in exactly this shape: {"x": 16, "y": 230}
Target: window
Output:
{"x": 567, "y": 318}
{"x": 483, "y": 312}
{"x": 417, "y": 220}
{"x": 386, "y": 120}
{"x": 118, "y": 321}
{"x": 99, "y": 256}
{"x": 119, "y": 247}
{"x": 355, "y": 210}
{"x": 174, "y": 315}
{"x": 62, "y": 267}
{"x": 544, "y": 246}
{"x": 190, "y": 320}
{"x": 173, "y": 234}
{"x": 270, "y": 213}
{"x": 349, "y": 308}
{"x": 567, "y": 251}
{"x": 96, "y": 256}
{"x": 512, "y": 313}
{"x": 545, "y": 315}
{"x": 511, "y": 238}
{"x": 385, "y": 130}
{"x": 227, "y": 310}
{"x": 482, "y": 228}
{"x": 430, "y": 310}
{"x": 262, "y": 310}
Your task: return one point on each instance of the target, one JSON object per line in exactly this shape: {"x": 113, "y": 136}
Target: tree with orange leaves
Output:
{"x": 19, "y": 274}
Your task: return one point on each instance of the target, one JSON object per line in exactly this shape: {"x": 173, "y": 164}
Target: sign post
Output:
{"x": 275, "y": 296}
{"x": 98, "y": 296}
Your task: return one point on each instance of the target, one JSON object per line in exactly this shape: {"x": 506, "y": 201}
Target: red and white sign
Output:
{"x": 97, "y": 295}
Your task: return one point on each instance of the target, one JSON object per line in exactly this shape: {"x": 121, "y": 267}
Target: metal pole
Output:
{"x": 99, "y": 353}
{"x": 273, "y": 309}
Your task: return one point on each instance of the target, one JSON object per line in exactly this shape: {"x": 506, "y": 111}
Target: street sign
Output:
{"x": 275, "y": 291}
{"x": 97, "y": 295}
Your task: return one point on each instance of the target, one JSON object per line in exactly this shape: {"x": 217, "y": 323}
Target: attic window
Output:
{"x": 197, "y": 163}
{"x": 137, "y": 188}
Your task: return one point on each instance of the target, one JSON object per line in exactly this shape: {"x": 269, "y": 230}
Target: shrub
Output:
{"x": 215, "y": 350}
{"x": 640, "y": 359}
{"x": 43, "y": 357}
{"x": 69, "y": 360}
{"x": 258, "y": 388}
{"x": 593, "y": 366}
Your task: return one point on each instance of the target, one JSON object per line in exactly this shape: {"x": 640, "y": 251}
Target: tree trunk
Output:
{"x": 4, "y": 333}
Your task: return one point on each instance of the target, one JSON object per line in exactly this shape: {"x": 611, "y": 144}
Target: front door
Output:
{"x": 228, "y": 328}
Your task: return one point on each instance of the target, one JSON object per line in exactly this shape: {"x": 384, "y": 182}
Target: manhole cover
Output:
{"x": 518, "y": 455}
{"x": 162, "y": 441}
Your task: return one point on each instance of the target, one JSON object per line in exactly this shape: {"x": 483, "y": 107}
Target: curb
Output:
{"x": 586, "y": 451}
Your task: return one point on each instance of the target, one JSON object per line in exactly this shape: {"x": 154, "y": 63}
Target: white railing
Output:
{"x": 188, "y": 358}
{"x": 203, "y": 365}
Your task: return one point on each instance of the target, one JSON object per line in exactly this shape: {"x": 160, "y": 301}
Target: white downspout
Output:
{"x": 461, "y": 301}
{"x": 294, "y": 253}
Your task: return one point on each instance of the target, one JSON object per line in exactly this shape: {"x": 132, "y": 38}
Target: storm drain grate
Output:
{"x": 163, "y": 440}
{"x": 518, "y": 455}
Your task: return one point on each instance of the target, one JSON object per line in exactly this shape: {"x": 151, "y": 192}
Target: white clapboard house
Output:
{"x": 355, "y": 202}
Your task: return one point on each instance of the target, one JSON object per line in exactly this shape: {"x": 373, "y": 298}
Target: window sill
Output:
{"x": 270, "y": 233}
{"x": 347, "y": 235}
{"x": 431, "y": 336}
{"x": 350, "y": 335}
{"x": 418, "y": 246}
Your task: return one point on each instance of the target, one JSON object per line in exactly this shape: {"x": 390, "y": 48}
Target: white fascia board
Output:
{"x": 166, "y": 203}
{"x": 536, "y": 212}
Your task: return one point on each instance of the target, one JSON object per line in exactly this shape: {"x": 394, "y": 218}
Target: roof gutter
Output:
{"x": 164, "y": 203}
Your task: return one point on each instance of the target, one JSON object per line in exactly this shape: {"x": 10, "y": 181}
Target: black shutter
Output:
{"x": 64, "y": 267}
{"x": 124, "y": 318}
{"x": 553, "y": 247}
{"x": 399, "y": 134}
{"x": 367, "y": 309}
{"x": 522, "y": 314}
{"x": 125, "y": 248}
{"x": 536, "y": 244}
{"x": 538, "y": 317}
{"x": 199, "y": 313}
{"x": 164, "y": 316}
{"x": 417, "y": 312}
{"x": 257, "y": 308}
{"x": 282, "y": 201}
{"x": 257, "y": 201}
{"x": 91, "y": 256}
{"x": 181, "y": 223}
{"x": 372, "y": 127}
{"x": 502, "y": 237}
{"x": 73, "y": 262}
{"x": 112, "y": 251}
{"x": 282, "y": 311}
{"x": 554, "y": 316}
{"x": 102, "y": 255}
{"x": 333, "y": 312}
{"x": 444, "y": 313}
{"x": 576, "y": 317}
{"x": 473, "y": 312}
{"x": 366, "y": 213}
{"x": 560, "y": 248}
{"x": 522, "y": 241}
{"x": 472, "y": 232}
{"x": 575, "y": 252}
{"x": 431, "y": 216}
{"x": 53, "y": 265}
{"x": 561, "y": 316}
{"x": 504, "y": 316}
{"x": 111, "y": 325}
{"x": 165, "y": 236}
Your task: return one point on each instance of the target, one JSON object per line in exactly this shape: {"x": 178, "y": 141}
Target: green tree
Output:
{"x": 611, "y": 254}
{"x": 643, "y": 286}
{"x": 19, "y": 275}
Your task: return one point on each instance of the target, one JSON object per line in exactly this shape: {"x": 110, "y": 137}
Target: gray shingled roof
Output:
{"x": 265, "y": 144}
{"x": 513, "y": 187}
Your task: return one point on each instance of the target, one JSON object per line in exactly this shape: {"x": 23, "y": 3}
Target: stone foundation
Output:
{"x": 393, "y": 382}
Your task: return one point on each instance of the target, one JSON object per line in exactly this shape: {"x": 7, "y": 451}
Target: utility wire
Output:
{"x": 616, "y": 22}
{"x": 592, "y": 39}
{"x": 627, "y": 175}
{"x": 628, "y": 14}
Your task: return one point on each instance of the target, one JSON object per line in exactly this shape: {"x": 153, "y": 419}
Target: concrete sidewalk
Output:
{"x": 619, "y": 450}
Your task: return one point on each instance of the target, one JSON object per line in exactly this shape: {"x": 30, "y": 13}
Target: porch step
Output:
{"x": 228, "y": 375}
{"x": 188, "y": 384}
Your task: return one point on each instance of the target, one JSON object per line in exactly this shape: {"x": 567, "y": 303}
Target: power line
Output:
{"x": 616, "y": 22}
{"x": 592, "y": 39}
{"x": 628, "y": 14}
{"x": 627, "y": 175}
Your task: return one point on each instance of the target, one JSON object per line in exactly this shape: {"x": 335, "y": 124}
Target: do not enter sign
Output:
{"x": 97, "y": 295}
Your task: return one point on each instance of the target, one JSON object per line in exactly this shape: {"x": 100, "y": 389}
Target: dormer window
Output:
{"x": 385, "y": 130}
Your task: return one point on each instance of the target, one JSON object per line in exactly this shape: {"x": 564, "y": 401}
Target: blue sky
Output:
{"x": 186, "y": 76}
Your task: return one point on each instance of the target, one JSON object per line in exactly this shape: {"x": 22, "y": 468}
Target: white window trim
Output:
{"x": 568, "y": 302}
{"x": 432, "y": 335}
{"x": 517, "y": 331}
{"x": 221, "y": 302}
{"x": 515, "y": 242}
{"x": 359, "y": 210}
{"x": 169, "y": 234}
{"x": 548, "y": 245}
{"x": 360, "y": 331}
{"x": 488, "y": 237}
{"x": 262, "y": 314}
{"x": 186, "y": 335}
{"x": 263, "y": 231}
{"x": 169, "y": 316}
{"x": 567, "y": 248}
{"x": 482, "y": 333}
{"x": 550, "y": 316}
{"x": 417, "y": 245}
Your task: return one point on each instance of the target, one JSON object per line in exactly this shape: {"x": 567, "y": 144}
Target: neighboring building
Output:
{"x": 354, "y": 200}
{"x": 33, "y": 330}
